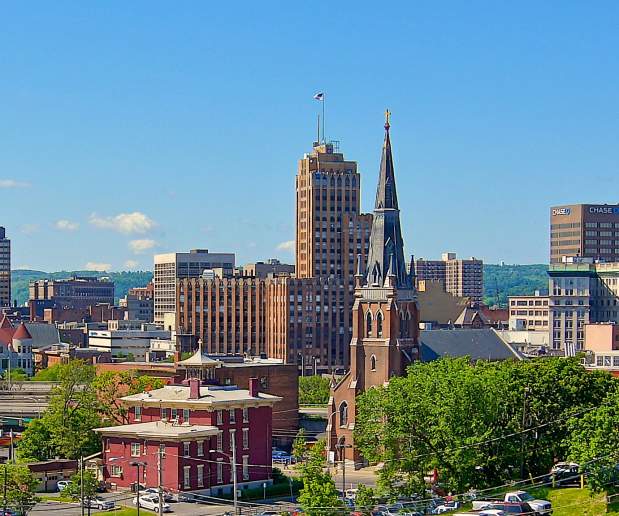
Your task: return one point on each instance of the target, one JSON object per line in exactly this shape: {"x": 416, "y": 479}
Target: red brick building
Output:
{"x": 192, "y": 429}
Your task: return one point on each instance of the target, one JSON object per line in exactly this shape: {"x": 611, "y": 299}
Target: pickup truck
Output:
{"x": 539, "y": 506}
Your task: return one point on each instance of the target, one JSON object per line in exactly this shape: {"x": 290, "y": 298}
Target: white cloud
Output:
{"x": 66, "y": 225}
{"x": 139, "y": 246}
{"x": 132, "y": 264}
{"x": 127, "y": 223}
{"x": 11, "y": 183}
{"x": 288, "y": 245}
{"x": 29, "y": 229}
{"x": 96, "y": 266}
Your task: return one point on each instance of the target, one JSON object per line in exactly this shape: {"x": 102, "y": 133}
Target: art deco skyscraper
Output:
{"x": 5, "y": 269}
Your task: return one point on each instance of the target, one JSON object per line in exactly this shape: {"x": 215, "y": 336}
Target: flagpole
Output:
{"x": 324, "y": 98}
{"x": 318, "y": 140}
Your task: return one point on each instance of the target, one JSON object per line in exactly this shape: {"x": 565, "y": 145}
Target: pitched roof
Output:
{"x": 199, "y": 359}
{"x": 478, "y": 344}
{"x": 22, "y": 333}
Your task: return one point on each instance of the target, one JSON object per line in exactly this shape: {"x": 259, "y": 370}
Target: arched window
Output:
{"x": 379, "y": 324}
{"x": 373, "y": 363}
{"x": 368, "y": 324}
{"x": 343, "y": 413}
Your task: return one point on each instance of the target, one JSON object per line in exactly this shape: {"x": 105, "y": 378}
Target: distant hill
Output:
{"x": 510, "y": 280}
{"x": 123, "y": 281}
{"x": 513, "y": 280}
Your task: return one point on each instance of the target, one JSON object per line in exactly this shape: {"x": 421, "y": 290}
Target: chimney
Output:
{"x": 194, "y": 388}
{"x": 254, "y": 387}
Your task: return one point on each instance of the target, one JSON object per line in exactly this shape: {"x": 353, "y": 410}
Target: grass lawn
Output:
{"x": 571, "y": 501}
{"x": 123, "y": 510}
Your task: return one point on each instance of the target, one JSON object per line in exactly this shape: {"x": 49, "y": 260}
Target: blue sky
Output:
{"x": 128, "y": 128}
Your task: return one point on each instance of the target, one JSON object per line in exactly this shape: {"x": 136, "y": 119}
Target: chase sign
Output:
{"x": 561, "y": 211}
{"x": 606, "y": 210}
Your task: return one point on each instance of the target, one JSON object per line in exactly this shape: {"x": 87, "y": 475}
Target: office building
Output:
{"x": 271, "y": 267}
{"x": 76, "y": 292}
{"x": 528, "y": 312}
{"x": 584, "y": 230}
{"x": 126, "y": 339}
{"x": 581, "y": 292}
{"x": 602, "y": 347}
{"x": 171, "y": 267}
{"x": 139, "y": 303}
{"x": 5, "y": 269}
{"x": 461, "y": 278}
{"x": 385, "y": 336}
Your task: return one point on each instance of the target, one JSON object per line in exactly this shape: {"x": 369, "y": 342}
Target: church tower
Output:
{"x": 385, "y": 315}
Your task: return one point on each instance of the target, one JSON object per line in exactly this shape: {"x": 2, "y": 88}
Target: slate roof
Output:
{"x": 479, "y": 344}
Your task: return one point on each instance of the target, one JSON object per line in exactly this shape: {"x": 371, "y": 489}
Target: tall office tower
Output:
{"x": 385, "y": 316}
{"x": 171, "y": 267}
{"x": 5, "y": 269}
{"x": 461, "y": 278}
{"x": 584, "y": 230}
{"x": 330, "y": 234}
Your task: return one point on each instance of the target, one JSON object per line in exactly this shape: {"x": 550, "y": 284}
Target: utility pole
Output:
{"x": 137, "y": 483}
{"x": 234, "y": 482}
{"x": 5, "y": 481}
{"x": 82, "y": 483}
{"x": 342, "y": 447}
{"x": 159, "y": 480}
{"x": 523, "y": 435}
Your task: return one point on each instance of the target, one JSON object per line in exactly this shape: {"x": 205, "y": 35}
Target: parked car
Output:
{"x": 515, "y": 508}
{"x": 96, "y": 502}
{"x": 565, "y": 473}
{"x": 538, "y": 506}
{"x": 151, "y": 502}
{"x": 281, "y": 457}
{"x": 399, "y": 509}
{"x": 62, "y": 484}
{"x": 446, "y": 507}
{"x": 167, "y": 497}
{"x": 485, "y": 512}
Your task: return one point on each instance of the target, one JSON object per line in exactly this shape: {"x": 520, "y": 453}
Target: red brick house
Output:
{"x": 193, "y": 428}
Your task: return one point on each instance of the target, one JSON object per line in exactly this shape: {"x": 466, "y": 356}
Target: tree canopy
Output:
{"x": 313, "y": 390}
{"x": 475, "y": 424}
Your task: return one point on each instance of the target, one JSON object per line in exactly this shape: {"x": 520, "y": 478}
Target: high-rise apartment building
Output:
{"x": 461, "y": 278}
{"x": 581, "y": 292}
{"x": 584, "y": 230}
{"x": 171, "y": 267}
{"x": 5, "y": 269}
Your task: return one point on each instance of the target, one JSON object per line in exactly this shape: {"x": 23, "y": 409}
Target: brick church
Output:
{"x": 385, "y": 315}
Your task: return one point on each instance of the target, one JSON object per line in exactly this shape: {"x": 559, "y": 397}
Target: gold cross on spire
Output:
{"x": 387, "y": 116}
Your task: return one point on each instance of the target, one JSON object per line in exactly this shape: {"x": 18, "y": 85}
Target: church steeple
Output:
{"x": 386, "y": 243}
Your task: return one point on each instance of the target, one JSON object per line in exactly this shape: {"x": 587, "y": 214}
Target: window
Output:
{"x": 220, "y": 442}
{"x": 164, "y": 413}
{"x": 343, "y": 413}
{"x": 200, "y": 475}
{"x": 186, "y": 449}
{"x": 135, "y": 449}
{"x": 379, "y": 324}
{"x": 186, "y": 415}
{"x": 232, "y": 413}
{"x": 137, "y": 412}
{"x": 232, "y": 440}
{"x": 117, "y": 471}
{"x": 245, "y": 467}
{"x": 200, "y": 451}
{"x": 373, "y": 363}
{"x": 186, "y": 479}
{"x": 174, "y": 413}
{"x": 245, "y": 438}
{"x": 220, "y": 471}
{"x": 368, "y": 324}
{"x": 245, "y": 415}
{"x": 220, "y": 417}
{"x": 162, "y": 450}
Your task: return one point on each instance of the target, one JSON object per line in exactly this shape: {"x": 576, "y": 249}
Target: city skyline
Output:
{"x": 126, "y": 134}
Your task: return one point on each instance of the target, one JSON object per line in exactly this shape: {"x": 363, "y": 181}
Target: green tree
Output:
{"x": 36, "y": 443}
{"x": 466, "y": 420}
{"x": 594, "y": 444}
{"x": 20, "y": 487}
{"x": 49, "y": 374}
{"x": 17, "y": 375}
{"x": 318, "y": 496}
{"x": 70, "y": 418}
{"x": 110, "y": 385}
{"x": 313, "y": 390}
{"x": 365, "y": 499}
{"x": 74, "y": 488}
{"x": 299, "y": 446}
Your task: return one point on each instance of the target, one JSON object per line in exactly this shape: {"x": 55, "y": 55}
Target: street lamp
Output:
{"x": 137, "y": 464}
{"x": 233, "y": 465}
{"x": 341, "y": 446}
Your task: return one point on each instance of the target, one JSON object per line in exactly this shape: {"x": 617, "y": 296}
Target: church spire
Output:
{"x": 386, "y": 246}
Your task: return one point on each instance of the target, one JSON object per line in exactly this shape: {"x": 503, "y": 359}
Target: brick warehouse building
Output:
{"x": 192, "y": 430}
{"x": 385, "y": 316}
